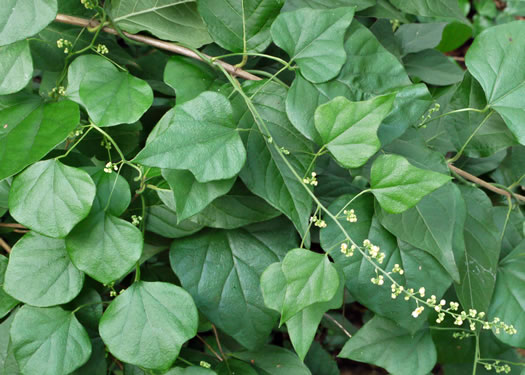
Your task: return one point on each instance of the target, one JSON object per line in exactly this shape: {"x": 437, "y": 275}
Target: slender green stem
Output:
{"x": 437, "y": 328}
{"x": 452, "y": 112}
{"x": 244, "y": 45}
{"x": 74, "y": 145}
{"x": 317, "y": 154}
{"x": 270, "y": 57}
{"x": 156, "y": 188}
{"x": 507, "y": 218}
{"x": 90, "y": 304}
{"x": 516, "y": 183}
{"x": 184, "y": 361}
{"x": 460, "y": 152}
{"x": 303, "y": 238}
{"x": 267, "y": 75}
{"x": 351, "y": 200}
{"x": 476, "y": 355}
{"x": 270, "y": 80}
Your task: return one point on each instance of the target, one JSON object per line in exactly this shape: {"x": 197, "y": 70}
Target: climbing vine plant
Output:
{"x": 242, "y": 187}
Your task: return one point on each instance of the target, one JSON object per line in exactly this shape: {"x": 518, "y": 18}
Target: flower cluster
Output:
{"x": 101, "y": 49}
{"x": 374, "y": 251}
{"x": 106, "y": 143}
{"x": 318, "y": 222}
{"x": 429, "y": 114}
{"x": 497, "y": 367}
{"x": 76, "y": 133}
{"x": 65, "y": 44}
{"x": 89, "y": 4}
{"x": 204, "y": 364}
{"x": 110, "y": 167}
{"x": 135, "y": 220}
{"x": 311, "y": 180}
{"x": 396, "y": 290}
{"x": 379, "y": 280}
{"x": 348, "y": 252}
{"x": 350, "y": 216}
{"x": 57, "y": 92}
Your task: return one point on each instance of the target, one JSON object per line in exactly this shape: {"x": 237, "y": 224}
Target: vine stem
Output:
{"x": 172, "y": 47}
{"x": 5, "y": 246}
{"x": 167, "y": 46}
{"x": 460, "y": 152}
{"x": 485, "y": 184}
{"x": 328, "y": 316}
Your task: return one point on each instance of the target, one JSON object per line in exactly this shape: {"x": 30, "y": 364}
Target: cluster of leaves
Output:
{"x": 163, "y": 215}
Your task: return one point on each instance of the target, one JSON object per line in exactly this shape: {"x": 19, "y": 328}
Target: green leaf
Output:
{"x": 31, "y": 128}
{"x": 104, "y": 246}
{"x": 448, "y": 9}
{"x": 434, "y": 225}
{"x": 110, "y": 97}
{"x": 495, "y": 59}
{"x": 16, "y": 67}
{"x": 49, "y": 341}
{"x": 508, "y": 302}
{"x": 163, "y": 221}
{"x": 433, "y": 67}
{"x": 274, "y": 360}
{"x": 482, "y": 249}
{"x": 398, "y": 185}
{"x": 413, "y": 354}
{"x": 5, "y": 186}
{"x": 192, "y": 196}
{"x": 96, "y": 365}
{"x": 51, "y": 198}
{"x": 236, "y": 367}
{"x": 230, "y": 23}
{"x": 148, "y": 324}
{"x": 420, "y": 268}
{"x": 310, "y": 278}
{"x": 320, "y": 361}
{"x": 320, "y": 4}
{"x": 227, "y": 288}
{"x": 8, "y": 365}
{"x": 175, "y": 20}
{"x": 113, "y": 192}
{"x": 91, "y": 309}
{"x": 20, "y": 19}
{"x": 189, "y": 78}
{"x": 384, "y": 74}
{"x": 302, "y": 327}
{"x": 265, "y": 172}
{"x": 40, "y": 272}
{"x": 416, "y": 37}
{"x": 313, "y": 38}
{"x": 7, "y": 303}
{"x": 349, "y": 129}
{"x": 201, "y": 137}
{"x": 491, "y": 137}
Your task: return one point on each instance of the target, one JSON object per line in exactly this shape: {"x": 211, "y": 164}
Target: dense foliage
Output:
{"x": 345, "y": 194}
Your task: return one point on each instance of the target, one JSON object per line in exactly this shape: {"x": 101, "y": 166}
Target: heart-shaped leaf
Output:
{"x": 104, "y": 246}
{"x": 314, "y": 40}
{"x": 148, "y": 323}
{"x": 201, "y": 137}
{"x": 495, "y": 60}
{"x": 349, "y": 129}
{"x": 49, "y": 341}
{"x": 398, "y": 185}
{"x": 51, "y": 198}
{"x": 40, "y": 272}
{"x": 110, "y": 97}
